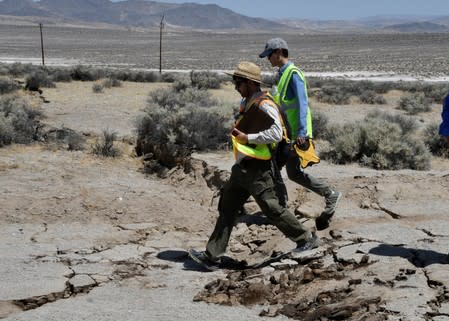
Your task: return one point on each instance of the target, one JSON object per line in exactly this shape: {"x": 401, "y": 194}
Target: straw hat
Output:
{"x": 247, "y": 70}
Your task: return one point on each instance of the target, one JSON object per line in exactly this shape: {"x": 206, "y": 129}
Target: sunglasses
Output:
{"x": 238, "y": 81}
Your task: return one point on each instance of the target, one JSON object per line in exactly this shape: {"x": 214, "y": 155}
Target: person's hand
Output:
{"x": 301, "y": 140}
{"x": 241, "y": 137}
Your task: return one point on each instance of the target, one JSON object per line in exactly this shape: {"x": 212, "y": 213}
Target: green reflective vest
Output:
{"x": 288, "y": 105}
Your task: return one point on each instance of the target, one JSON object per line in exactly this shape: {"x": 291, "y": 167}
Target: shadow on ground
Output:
{"x": 419, "y": 258}
{"x": 179, "y": 256}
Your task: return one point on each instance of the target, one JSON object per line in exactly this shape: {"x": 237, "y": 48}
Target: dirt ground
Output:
{"x": 90, "y": 238}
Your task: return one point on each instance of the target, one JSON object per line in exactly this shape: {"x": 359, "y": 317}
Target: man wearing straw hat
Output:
{"x": 258, "y": 127}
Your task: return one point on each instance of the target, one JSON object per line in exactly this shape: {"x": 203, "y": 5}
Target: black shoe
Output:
{"x": 322, "y": 221}
{"x": 311, "y": 243}
{"x": 204, "y": 260}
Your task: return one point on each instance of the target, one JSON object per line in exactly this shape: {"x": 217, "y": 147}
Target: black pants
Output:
{"x": 252, "y": 178}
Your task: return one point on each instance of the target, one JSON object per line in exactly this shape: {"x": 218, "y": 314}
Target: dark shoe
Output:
{"x": 204, "y": 260}
{"x": 322, "y": 221}
{"x": 311, "y": 243}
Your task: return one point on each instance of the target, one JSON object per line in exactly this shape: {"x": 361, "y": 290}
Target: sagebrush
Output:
{"x": 381, "y": 141}
{"x": 178, "y": 121}
{"x": 436, "y": 143}
{"x": 18, "y": 121}
{"x": 104, "y": 146}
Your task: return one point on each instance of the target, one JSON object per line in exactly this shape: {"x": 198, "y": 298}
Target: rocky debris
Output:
{"x": 283, "y": 290}
{"x": 336, "y": 306}
{"x": 364, "y": 273}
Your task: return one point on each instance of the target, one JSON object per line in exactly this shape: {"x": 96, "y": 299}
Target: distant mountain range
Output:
{"x": 142, "y": 13}
{"x": 136, "y": 13}
{"x": 378, "y": 24}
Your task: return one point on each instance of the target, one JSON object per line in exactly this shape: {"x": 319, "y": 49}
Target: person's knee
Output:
{"x": 271, "y": 208}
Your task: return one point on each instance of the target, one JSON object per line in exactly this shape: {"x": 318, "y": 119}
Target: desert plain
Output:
{"x": 89, "y": 238}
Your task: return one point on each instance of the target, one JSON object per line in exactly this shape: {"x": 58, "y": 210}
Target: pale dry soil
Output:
{"x": 90, "y": 238}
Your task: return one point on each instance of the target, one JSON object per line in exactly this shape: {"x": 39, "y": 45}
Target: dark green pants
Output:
{"x": 251, "y": 178}
{"x": 298, "y": 176}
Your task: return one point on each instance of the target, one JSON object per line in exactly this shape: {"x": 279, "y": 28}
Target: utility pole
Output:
{"x": 160, "y": 44}
{"x": 42, "y": 45}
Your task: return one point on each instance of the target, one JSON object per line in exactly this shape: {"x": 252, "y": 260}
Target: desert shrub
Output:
{"x": 150, "y": 76}
{"x": 436, "y": 143}
{"x": 6, "y": 131}
{"x": 8, "y": 85}
{"x": 136, "y": 76}
{"x": 332, "y": 95}
{"x": 37, "y": 80}
{"x": 169, "y": 135}
{"x": 4, "y": 70}
{"x": 346, "y": 141}
{"x": 205, "y": 79}
{"x": 436, "y": 92}
{"x": 18, "y": 69}
{"x": 97, "y": 88}
{"x": 383, "y": 87}
{"x": 181, "y": 96}
{"x": 79, "y": 72}
{"x": 18, "y": 121}
{"x": 414, "y": 103}
{"x": 181, "y": 84}
{"x": 381, "y": 142}
{"x": 60, "y": 75}
{"x": 104, "y": 146}
{"x": 408, "y": 86}
{"x": 338, "y": 91}
{"x": 170, "y": 77}
{"x": 372, "y": 98}
{"x": 407, "y": 124}
{"x": 378, "y": 87}
{"x": 320, "y": 124}
{"x": 111, "y": 82}
{"x": 356, "y": 88}
{"x": 85, "y": 73}
{"x": 176, "y": 122}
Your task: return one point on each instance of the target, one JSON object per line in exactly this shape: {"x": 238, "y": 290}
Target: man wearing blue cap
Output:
{"x": 291, "y": 95}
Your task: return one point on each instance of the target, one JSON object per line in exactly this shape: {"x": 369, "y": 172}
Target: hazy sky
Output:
{"x": 328, "y": 9}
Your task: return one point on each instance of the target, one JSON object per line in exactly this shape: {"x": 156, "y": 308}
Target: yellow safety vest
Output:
{"x": 257, "y": 151}
{"x": 281, "y": 99}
